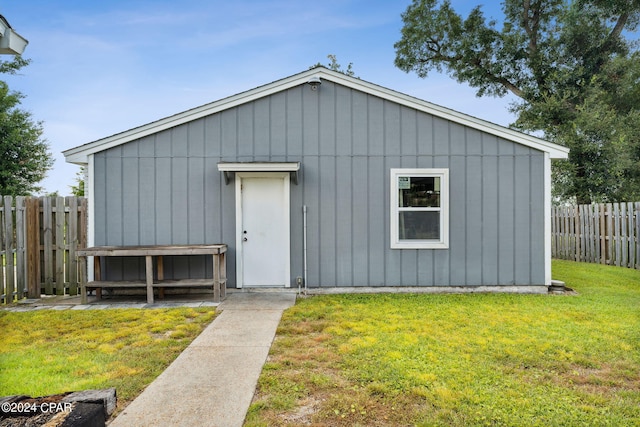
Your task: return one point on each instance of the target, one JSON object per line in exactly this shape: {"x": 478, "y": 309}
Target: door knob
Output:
{"x": 245, "y": 239}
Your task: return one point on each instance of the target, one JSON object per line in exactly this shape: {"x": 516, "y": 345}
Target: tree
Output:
{"x": 24, "y": 154}
{"x": 335, "y": 66}
{"x": 568, "y": 62}
{"x": 78, "y": 189}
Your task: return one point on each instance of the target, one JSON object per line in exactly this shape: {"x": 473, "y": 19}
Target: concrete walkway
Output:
{"x": 213, "y": 380}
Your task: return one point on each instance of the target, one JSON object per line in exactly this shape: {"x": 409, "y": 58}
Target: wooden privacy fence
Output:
{"x": 38, "y": 240}
{"x": 599, "y": 233}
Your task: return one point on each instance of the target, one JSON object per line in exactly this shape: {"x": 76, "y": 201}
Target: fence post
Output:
{"x": 33, "y": 247}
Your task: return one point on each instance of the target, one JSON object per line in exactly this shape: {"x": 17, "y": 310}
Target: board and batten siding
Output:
{"x": 166, "y": 189}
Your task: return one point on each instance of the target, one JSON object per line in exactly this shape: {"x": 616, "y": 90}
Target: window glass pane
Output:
{"x": 418, "y": 191}
{"x": 419, "y": 225}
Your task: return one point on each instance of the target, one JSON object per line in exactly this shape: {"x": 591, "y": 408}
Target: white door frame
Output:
{"x": 239, "y": 226}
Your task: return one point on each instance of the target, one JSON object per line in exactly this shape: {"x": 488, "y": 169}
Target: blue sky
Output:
{"x": 99, "y": 68}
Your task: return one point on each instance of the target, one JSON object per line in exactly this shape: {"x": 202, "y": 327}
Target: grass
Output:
{"x": 460, "y": 360}
{"x": 48, "y": 352}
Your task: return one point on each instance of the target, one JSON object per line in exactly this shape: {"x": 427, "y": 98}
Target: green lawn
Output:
{"x": 460, "y": 360}
{"x": 48, "y": 352}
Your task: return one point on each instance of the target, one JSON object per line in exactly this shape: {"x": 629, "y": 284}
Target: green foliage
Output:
{"x": 12, "y": 67}
{"x": 603, "y": 133}
{"x": 335, "y": 66}
{"x": 78, "y": 189}
{"x": 24, "y": 154}
{"x": 460, "y": 360}
{"x": 569, "y": 63}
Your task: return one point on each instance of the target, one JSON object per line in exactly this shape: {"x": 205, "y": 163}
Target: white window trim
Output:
{"x": 443, "y": 242}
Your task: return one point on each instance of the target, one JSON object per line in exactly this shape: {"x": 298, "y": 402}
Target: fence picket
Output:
{"x": 610, "y": 233}
{"x": 637, "y": 218}
{"x": 593, "y": 224}
{"x": 575, "y": 243}
{"x": 589, "y": 237}
{"x": 33, "y": 246}
{"x": 599, "y": 233}
{"x": 59, "y": 246}
{"x": 580, "y": 219}
{"x": 631, "y": 236}
{"x": 616, "y": 231}
{"x": 47, "y": 241}
{"x": 72, "y": 244}
{"x": 9, "y": 271}
{"x": 584, "y": 240}
{"x": 603, "y": 233}
{"x": 21, "y": 262}
{"x": 624, "y": 242}
{"x": 2, "y": 251}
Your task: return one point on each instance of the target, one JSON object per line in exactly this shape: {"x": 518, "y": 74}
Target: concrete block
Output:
{"x": 106, "y": 397}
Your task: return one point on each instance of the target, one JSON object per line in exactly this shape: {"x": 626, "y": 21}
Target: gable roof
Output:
{"x": 80, "y": 154}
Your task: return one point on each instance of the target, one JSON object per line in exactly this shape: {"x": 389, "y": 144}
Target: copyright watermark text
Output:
{"x": 16, "y": 408}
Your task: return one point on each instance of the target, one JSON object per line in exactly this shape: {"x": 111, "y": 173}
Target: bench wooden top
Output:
{"x": 153, "y": 250}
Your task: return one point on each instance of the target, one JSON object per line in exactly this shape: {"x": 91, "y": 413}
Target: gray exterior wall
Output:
{"x": 166, "y": 189}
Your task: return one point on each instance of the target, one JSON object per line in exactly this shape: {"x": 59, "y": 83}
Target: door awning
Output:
{"x": 229, "y": 168}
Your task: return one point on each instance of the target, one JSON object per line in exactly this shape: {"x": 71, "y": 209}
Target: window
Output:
{"x": 419, "y": 208}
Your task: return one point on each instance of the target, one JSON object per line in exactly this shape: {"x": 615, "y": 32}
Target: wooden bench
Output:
{"x": 218, "y": 281}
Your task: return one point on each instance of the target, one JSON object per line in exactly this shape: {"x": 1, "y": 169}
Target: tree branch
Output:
{"x": 511, "y": 87}
{"x": 526, "y": 6}
{"x": 609, "y": 43}
{"x": 499, "y": 80}
{"x": 617, "y": 29}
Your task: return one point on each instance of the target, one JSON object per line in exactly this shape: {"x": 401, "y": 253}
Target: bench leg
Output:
{"x": 223, "y": 275}
{"x": 82, "y": 261}
{"x": 149, "y": 270}
{"x": 216, "y": 278}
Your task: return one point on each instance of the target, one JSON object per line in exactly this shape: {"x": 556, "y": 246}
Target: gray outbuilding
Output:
{"x": 325, "y": 180}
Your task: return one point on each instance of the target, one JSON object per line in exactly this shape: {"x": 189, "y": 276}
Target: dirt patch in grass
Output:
{"x": 608, "y": 379}
{"x": 303, "y": 413}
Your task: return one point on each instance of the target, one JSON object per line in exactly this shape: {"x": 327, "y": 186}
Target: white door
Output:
{"x": 263, "y": 229}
